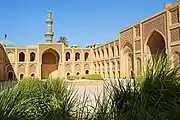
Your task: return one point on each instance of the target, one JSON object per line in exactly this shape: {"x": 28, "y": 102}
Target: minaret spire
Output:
{"x": 49, "y": 34}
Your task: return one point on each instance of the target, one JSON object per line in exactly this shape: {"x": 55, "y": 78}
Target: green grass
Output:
{"x": 93, "y": 77}
{"x": 88, "y": 77}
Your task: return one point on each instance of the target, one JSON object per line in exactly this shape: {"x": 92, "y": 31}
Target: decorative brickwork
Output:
{"x": 138, "y": 45}
{"x": 86, "y": 67}
{"x": 137, "y": 28}
{"x": 1, "y": 53}
{"x": 68, "y": 68}
{"x": 158, "y": 23}
{"x": 174, "y": 16}
{"x": 175, "y": 34}
{"x": 126, "y": 36}
{"x": 21, "y": 69}
{"x": 32, "y": 69}
{"x": 176, "y": 59}
{"x": 77, "y": 68}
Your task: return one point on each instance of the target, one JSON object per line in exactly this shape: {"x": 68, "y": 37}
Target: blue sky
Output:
{"x": 81, "y": 21}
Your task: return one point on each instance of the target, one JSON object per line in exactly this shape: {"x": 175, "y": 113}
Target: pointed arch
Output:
{"x": 155, "y": 45}
{"x": 50, "y": 62}
{"x": 68, "y": 56}
{"x": 77, "y": 56}
{"x": 32, "y": 57}
{"x": 21, "y": 57}
{"x": 86, "y": 56}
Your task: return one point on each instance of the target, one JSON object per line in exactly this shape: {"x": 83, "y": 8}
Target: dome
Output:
{"x": 7, "y": 43}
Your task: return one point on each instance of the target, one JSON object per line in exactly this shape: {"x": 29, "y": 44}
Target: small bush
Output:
{"x": 74, "y": 77}
{"x": 93, "y": 77}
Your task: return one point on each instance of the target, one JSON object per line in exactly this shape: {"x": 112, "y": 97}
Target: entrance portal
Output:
{"x": 156, "y": 45}
{"x": 50, "y": 62}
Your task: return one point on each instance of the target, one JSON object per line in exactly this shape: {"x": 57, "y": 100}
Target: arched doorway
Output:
{"x": 21, "y": 76}
{"x": 10, "y": 75}
{"x": 32, "y": 75}
{"x": 87, "y": 72}
{"x": 156, "y": 46}
{"x": 50, "y": 62}
{"x": 68, "y": 74}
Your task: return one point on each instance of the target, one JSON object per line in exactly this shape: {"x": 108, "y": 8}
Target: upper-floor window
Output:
{"x": 107, "y": 52}
{"x": 32, "y": 56}
{"x": 86, "y": 56}
{"x": 21, "y": 57}
{"x": 77, "y": 56}
{"x": 68, "y": 56}
{"x": 112, "y": 51}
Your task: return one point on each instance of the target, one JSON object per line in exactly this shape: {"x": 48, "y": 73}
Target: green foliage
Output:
{"x": 155, "y": 97}
{"x": 93, "y": 77}
{"x": 88, "y": 76}
{"x": 63, "y": 39}
{"x": 32, "y": 99}
{"x": 74, "y": 77}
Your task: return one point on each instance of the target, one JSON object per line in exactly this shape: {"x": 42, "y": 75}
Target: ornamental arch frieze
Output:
{"x": 157, "y": 23}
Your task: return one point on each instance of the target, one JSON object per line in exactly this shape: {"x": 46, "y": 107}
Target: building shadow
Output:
{"x": 6, "y": 67}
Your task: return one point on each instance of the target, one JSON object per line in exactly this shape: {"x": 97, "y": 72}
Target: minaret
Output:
{"x": 49, "y": 34}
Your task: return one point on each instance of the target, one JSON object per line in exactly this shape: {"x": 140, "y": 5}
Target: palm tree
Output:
{"x": 63, "y": 39}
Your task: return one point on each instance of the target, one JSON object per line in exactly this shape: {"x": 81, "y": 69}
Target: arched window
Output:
{"x": 114, "y": 75}
{"x": 104, "y": 74}
{"x": 21, "y": 76}
{"x": 68, "y": 56}
{"x": 87, "y": 72}
{"x": 118, "y": 65}
{"x": 77, "y": 73}
{"x": 107, "y": 52}
{"x": 94, "y": 54}
{"x": 68, "y": 74}
{"x": 108, "y": 75}
{"x": 32, "y": 75}
{"x": 77, "y": 56}
{"x": 10, "y": 76}
{"x": 86, "y": 55}
{"x": 21, "y": 57}
{"x": 108, "y": 66}
{"x": 99, "y": 54}
{"x": 112, "y": 48}
{"x": 117, "y": 50}
{"x": 95, "y": 69}
{"x": 102, "y": 53}
{"x": 32, "y": 56}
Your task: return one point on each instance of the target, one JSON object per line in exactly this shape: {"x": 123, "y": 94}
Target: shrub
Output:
{"x": 74, "y": 77}
{"x": 93, "y": 77}
{"x": 33, "y": 99}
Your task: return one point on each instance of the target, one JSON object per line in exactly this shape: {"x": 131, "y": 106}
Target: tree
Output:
{"x": 63, "y": 39}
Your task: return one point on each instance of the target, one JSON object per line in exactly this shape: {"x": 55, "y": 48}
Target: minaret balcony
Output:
{"x": 49, "y": 33}
{"x": 49, "y": 21}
